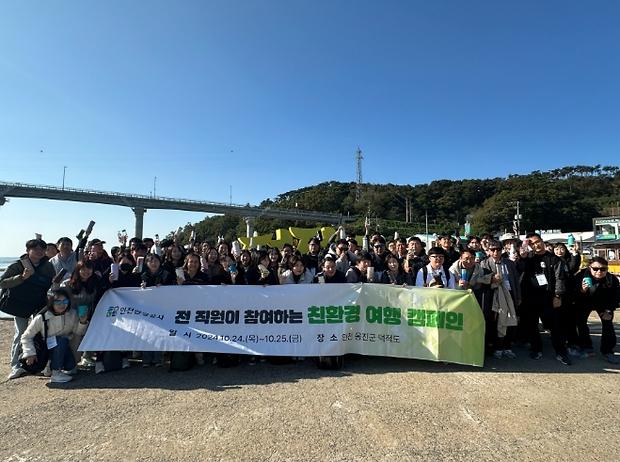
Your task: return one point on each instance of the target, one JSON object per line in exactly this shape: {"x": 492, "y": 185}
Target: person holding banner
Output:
{"x": 362, "y": 271}
{"x": 126, "y": 276}
{"x": 192, "y": 275}
{"x": 434, "y": 274}
{"x": 296, "y": 274}
{"x": 214, "y": 270}
{"x": 394, "y": 274}
{"x": 329, "y": 275}
{"x": 154, "y": 276}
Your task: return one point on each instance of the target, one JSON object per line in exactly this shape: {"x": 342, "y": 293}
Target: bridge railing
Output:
{"x": 171, "y": 200}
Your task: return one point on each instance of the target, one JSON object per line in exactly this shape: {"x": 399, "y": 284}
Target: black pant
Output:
{"x": 541, "y": 307}
{"x": 608, "y": 338}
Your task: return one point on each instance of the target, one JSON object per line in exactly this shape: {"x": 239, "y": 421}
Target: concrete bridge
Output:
{"x": 140, "y": 204}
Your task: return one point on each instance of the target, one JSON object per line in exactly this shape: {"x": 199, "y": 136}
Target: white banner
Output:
{"x": 291, "y": 320}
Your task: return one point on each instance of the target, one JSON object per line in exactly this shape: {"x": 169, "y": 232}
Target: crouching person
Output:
{"x": 58, "y": 324}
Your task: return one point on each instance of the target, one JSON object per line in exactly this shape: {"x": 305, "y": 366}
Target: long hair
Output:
{"x": 75, "y": 282}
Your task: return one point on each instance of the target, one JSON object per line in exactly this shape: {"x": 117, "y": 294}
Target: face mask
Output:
{"x": 125, "y": 267}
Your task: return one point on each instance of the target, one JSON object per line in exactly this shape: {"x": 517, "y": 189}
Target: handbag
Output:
{"x": 4, "y": 299}
{"x": 43, "y": 354}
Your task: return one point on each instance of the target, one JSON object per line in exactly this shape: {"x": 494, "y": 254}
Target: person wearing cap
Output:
{"x": 510, "y": 245}
{"x": 450, "y": 253}
{"x": 311, "y": 259}
{"x": 100, "y": 258}
{"x": 434, "y": 274}
{"x": 24, "y": 287}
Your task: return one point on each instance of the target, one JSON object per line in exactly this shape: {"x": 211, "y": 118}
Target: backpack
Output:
{"x": 181, "y": 361}
{"x": 425, "y": 275}
{"x": 330, "y": 362}
{"x": 112, "y": 360}
{"x": 40, "y": 346}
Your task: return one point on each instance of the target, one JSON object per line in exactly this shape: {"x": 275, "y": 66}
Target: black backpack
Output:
{"x": 40, "y": 345}
{"x": 181, "y": 361}
{"x": 425, "y": 275}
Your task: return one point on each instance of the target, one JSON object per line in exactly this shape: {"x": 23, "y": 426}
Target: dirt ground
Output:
{"x": 374, "y": 409}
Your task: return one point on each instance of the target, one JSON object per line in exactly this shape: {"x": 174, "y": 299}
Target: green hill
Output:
{"x": 566, "y": 198}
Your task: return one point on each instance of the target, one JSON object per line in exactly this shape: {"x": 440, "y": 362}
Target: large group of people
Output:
{"x": 522, "y": 286}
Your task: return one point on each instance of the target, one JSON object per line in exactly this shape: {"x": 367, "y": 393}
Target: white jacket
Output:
{"x": 64, "y": 325}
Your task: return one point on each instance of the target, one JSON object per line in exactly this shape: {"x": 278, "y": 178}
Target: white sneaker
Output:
{"x": 60, "y": 377}
{"x": 498, "y": 354}
{"x": 72, "y": 372}
{"x": 47, "y": 372}
{"x": 86, "y": 363}
{"x": 125, "y": 363}
{"x": 17, "y": 372}
{"x": 99, "y": 368}
{"x": 509, "y": 354}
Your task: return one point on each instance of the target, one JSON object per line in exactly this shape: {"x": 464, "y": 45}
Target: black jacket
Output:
{"x": 553, "y": 269}
{"x": 603, "y": 295}
{"x": 26, "y": 297}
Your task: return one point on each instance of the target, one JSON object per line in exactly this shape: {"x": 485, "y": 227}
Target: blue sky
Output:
{"x": 270, "y": 96}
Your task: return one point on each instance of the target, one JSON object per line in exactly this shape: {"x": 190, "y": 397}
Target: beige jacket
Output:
{"x": 64, "y": 325}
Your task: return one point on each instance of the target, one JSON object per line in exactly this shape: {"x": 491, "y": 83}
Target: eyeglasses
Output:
{"x": 494, "y": 250}
{"x": 436, "y": 256}
{"x": 598, "y": 268}
{"x": 343, "y": 249}
{"x": 64, "y": 301}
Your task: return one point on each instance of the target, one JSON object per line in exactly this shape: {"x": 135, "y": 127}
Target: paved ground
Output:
{"x": 374, "y": 409}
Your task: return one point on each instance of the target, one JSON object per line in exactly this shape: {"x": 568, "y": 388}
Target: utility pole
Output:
{"x": 407, "y": 211}
{"x": 64, "y": 171}
{"x": 154, "y": 187}
{"x": 359, "y": 157}
{"x": 517, "y": 222}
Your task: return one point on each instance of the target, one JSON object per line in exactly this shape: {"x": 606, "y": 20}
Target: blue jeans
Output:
{"x": 16, "y": 348}
{"x": 61, "y": 356}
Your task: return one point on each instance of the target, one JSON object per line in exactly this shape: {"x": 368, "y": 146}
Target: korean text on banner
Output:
{"x": 292, "y": 320}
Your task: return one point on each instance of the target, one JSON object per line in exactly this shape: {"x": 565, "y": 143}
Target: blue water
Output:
{"x": 6, "y": 261}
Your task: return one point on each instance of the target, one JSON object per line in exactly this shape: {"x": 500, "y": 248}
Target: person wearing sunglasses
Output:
{"x": 597, "y": 290}
{"x": 61, "y": 325}
{"x": 434, "y": 274}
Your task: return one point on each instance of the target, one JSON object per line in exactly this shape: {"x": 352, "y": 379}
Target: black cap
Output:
{"x": 436, "y": 251}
